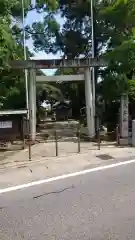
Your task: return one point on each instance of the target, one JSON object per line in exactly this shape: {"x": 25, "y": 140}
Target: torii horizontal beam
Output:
{"x": 60, "y": 78}
{"x": 57, "y": 63}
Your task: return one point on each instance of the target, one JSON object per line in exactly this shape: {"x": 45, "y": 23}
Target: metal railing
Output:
{"x": 55, "y": 138}
{"x": 76, "y": 139}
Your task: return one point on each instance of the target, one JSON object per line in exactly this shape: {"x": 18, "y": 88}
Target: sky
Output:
{"x": 32, "y": 17}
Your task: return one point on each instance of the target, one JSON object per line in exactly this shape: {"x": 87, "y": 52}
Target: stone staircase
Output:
{"x": 65, "y": 130}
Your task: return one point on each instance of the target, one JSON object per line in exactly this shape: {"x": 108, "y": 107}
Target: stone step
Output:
{"x": 58, "y": 125}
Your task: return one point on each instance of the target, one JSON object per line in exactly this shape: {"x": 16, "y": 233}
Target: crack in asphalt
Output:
{"x": 55, "y": 192}
{"x": 38, "y": 196}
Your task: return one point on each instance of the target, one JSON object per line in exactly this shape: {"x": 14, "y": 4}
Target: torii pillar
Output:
{"x": 32, "y": 104}
{"x": 89, "y": 104}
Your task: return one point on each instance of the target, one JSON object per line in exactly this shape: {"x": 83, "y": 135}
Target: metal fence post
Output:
{"x": 23, "y": 135}
{"x": 117, "y": 135}
{"x": 56, "y": 142}
{"x": 29, "y": 141}
{"x": 29, "y": 147}
{"x": 98, "y": 138}
{"x": 78, "y": 138}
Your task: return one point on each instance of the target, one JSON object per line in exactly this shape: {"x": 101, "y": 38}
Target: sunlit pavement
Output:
{"x": 97, "y": 205}
{"x": 20, "y": 171}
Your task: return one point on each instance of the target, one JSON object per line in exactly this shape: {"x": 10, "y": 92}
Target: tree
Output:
{"x": 114, "y": 24}
{"x": 114, "y": 31}
{"x": 114, "y": 39}
{"x": 12, "y": 84}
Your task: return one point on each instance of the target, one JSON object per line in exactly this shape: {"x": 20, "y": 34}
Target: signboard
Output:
{"x": 6, "y": 124}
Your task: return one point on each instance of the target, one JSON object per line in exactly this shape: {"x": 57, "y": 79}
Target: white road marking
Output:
{"x": 64, "y": 176}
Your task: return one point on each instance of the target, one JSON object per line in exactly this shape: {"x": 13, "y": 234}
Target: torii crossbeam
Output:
{"x": 57, "y": 63}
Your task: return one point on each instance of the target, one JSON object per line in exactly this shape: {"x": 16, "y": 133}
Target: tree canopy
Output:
{"x": 114, "y": 28}
{"x": 12, "y": 84}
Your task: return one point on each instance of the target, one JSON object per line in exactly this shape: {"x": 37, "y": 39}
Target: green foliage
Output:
{"x": 131, "y": 89}
{"x": 48, "y": 92}
{"x": 114, "y": 27}
{"x": 12, "y": 83}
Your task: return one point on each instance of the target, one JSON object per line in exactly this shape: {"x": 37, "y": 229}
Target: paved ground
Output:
{"x": 45, "y": 150}
{"x": 95, "y": 206}
{"x": 16, "y": 169}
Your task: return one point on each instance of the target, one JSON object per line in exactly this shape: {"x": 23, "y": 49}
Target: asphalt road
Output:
{"x": 98, "y": 205}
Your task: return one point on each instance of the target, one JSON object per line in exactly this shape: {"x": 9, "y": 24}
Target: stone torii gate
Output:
{"x": 85, "y": 64}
